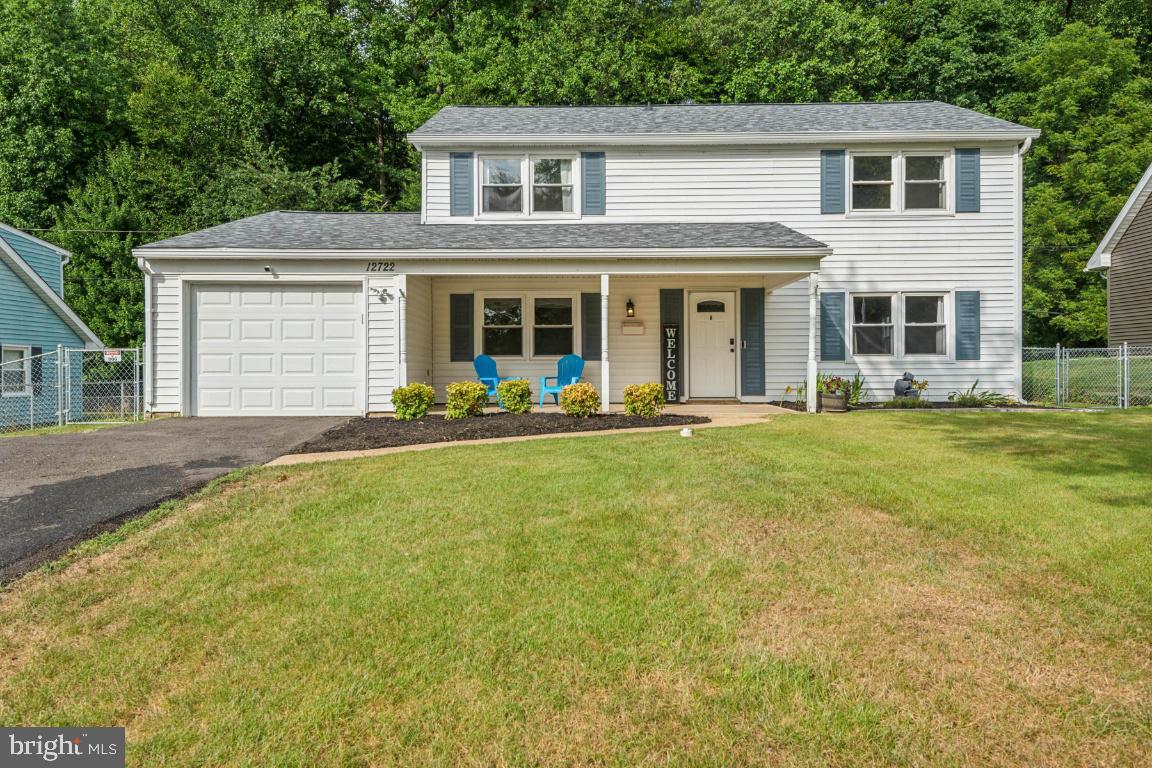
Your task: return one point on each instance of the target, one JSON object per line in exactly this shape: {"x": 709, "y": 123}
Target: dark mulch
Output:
{"x": 936, "y": 405}
{"x": 362, "y": 434}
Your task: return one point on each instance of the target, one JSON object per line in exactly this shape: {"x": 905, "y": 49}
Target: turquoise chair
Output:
{"x": 568, "y": 371}
{"x": 486, "y": 373}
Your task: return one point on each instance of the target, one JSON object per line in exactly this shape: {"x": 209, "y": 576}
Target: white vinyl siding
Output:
{"x": 167, "y": 332}
{"x": 385, "y": 307}
{"x": 418, "y": 328}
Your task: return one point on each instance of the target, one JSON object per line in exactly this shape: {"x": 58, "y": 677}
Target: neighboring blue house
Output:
{"x": 34, "y": 321}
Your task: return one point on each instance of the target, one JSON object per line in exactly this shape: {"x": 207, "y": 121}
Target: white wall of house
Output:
{"x": 893, "y": 253}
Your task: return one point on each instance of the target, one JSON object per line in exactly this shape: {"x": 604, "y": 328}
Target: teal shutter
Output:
{"x": 460, "y": 183}
{"x": 461, "y": 337}
{"x": 967, "y": 325}
{"x": 590, "y": 326}
{"x": 832, "y": 164}
{"x": 832, "y": 326}
{"x": 592, "y": 183}
{"x": 671, "y": 340}
{"x": 752, "y": 341}
{"x": 967, "y": 180}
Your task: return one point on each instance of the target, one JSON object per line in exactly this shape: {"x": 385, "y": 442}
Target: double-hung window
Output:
{"x": 925, "y": 332}
{"x": 503, "y": 333}
{"x": 501, "y": 185}
{"x": 872, "y": 182}
{"x": 924, "y": 183}
{"x": 899, "y": 181}
{"x": 872, "y": 327}
{"x": 552, "y": 185}
{"x": 552, "y": 327}
{"x": 15, "y": 370}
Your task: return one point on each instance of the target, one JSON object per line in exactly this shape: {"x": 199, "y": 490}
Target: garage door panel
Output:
{"x": 294, "y": 349}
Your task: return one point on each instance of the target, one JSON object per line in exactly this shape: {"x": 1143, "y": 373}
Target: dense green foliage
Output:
{"x": 515, "y": 395}
{"x": 413, "y": 401}
{"x": 122, "y": 121}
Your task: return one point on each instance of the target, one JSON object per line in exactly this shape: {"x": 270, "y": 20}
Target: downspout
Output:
{"x": 1019, "y": 373}
{"x": 148, "y": 320}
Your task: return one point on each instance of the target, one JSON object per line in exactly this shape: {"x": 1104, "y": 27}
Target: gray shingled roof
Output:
{"x": 712, "y": 118}
{"x": 299, "y": 230}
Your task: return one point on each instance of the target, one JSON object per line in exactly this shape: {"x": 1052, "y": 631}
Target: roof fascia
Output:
{"x": 1102, "y": 256}
{"x": 49, "y": 296}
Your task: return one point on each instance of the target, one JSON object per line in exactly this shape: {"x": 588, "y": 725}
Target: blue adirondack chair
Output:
{"x": 568, "y": 371}
{"x": 486, "y": 373}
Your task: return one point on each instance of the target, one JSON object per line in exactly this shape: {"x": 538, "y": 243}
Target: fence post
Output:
{"x": 59, "y": 385}
{"x": 1126, "y": 373}
{"x": 1059, "y": 400}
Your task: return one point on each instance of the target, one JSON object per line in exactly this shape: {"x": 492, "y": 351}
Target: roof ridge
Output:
{"x": 648, "y": 105}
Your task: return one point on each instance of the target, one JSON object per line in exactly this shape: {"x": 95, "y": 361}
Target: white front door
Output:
{"x": 277, "y": 350}
{"x": 712, "y": 344}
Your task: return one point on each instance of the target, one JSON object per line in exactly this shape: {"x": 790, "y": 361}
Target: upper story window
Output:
{"x": 899, "y": 181}
{"x": 502, "y": 187}
{"x": 552, "y": 184}
{"x": 536, "y": 185}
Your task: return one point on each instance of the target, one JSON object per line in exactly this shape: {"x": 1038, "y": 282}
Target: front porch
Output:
{"x": 729, "y": 336}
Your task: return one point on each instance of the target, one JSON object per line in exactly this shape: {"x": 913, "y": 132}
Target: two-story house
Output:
{"x": 728, "y": 251}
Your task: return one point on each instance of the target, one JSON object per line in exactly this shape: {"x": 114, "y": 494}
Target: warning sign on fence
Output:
{"x": 113, "y": 355}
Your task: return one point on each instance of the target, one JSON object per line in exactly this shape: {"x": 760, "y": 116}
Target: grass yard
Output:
{"x": 873, "y": 589}
{"x": 61, "y": 430}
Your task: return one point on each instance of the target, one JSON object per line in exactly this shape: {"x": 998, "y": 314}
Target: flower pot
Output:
{"x": 833, "y": 403}
{"x": 912, "y": 393}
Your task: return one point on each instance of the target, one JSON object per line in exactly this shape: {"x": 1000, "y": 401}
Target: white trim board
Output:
{"x": 47, "y": 295}
{"x": 1102, "y": 257}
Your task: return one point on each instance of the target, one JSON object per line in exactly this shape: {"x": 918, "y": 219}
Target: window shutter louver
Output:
{"x": 967, "y": 180}
{"x": 590, "y": 324}
{"x": 967, "y": 325}
{"x": 460, "y": 183}
{"x": 461, "y": 336}
{"x": 592, "y": 183}
{"x": 832, "y": 326}
{"x": 832, "y": 171}
{"x": 752, "y": 341}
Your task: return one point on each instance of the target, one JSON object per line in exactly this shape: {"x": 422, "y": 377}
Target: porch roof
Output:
{"x": 302, "y": 232}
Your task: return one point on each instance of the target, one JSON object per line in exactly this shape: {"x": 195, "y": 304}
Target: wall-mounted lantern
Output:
{"x": 630, "y": 309}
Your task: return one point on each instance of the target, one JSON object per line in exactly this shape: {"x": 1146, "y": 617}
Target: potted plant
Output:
{"x": 834, "y": 394}
{"x": 917, "y": 388}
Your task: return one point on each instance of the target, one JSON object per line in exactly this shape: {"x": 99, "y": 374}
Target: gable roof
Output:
{"x": 387, "y": 232}
{"x": 1102, "y": 257}
{"x": 50, "y": 298}
{"x": 699, "y": 122}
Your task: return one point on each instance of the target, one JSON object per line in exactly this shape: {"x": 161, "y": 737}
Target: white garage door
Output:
{"x": 277, "y": 350}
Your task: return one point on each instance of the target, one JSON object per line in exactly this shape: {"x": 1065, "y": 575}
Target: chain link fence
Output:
{"x": 1116, "y": 377}
{"x": 69, "y": 386}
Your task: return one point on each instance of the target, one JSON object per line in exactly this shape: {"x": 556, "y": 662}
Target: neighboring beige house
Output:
{"x": 1125, "y": 258}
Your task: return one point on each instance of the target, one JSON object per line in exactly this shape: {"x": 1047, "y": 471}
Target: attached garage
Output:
{"x": 295, "y": 349}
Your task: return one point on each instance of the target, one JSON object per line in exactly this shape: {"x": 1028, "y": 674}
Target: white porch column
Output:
{"x": 604, "y": 343}
{"x": 813, "y": 316}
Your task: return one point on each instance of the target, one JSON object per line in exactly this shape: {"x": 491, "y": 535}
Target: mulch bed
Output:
{"x": 362, "y": 434}
{"x": 936, "y": 405}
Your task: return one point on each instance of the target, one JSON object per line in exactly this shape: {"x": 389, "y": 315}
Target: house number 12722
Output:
{"x": 381, "y": 266}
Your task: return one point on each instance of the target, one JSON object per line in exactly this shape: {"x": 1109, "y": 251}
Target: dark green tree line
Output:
{"x": 122, "y": 121}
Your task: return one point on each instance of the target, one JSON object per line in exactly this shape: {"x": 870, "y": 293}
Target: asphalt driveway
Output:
{"x": 56, "y": 490}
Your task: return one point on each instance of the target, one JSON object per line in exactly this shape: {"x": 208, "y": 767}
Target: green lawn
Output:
{"x": 871, "y": 589}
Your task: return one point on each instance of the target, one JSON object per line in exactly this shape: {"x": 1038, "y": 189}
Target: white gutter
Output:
{"x": 829, "y": 138}
{"x": 148, "y": 322}
{"x": 411, "y": 254}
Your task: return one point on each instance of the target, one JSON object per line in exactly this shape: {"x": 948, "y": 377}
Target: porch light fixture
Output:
{"x": 630, "y": 309}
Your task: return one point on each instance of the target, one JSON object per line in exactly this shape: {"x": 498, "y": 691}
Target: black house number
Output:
{"x": 381, "y": 266}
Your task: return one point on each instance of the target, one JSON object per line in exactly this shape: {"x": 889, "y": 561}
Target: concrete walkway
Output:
{"x": 721, "y": 415}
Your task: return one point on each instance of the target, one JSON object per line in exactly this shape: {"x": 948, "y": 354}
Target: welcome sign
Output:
{"x": 670, "y": 338}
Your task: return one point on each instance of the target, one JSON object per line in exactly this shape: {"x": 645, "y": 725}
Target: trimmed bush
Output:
{"x": 580, "y": 399}
{"x": 645, "y": 400}
{"x": 413, "y": 401}
{"x": 466, "y": 398}
{"x": 515, "y": 395}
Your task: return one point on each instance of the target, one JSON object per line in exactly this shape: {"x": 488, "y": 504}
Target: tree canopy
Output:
{"x": 122, "y": 121}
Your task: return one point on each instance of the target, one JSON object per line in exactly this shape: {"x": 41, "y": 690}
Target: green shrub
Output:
{"x": 970, "y": 398}
{"x": 906, "y": 402}
{"x": 466, "y": 398}
{"x": 580, "y": 399}
{"x": 413, "y": 401}
{"x": 515, "y": 395}
{"x": 645, "y": 400}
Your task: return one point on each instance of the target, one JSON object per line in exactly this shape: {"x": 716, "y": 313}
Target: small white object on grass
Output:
{"x": 686, "y": 432}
